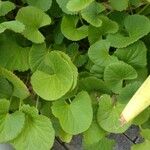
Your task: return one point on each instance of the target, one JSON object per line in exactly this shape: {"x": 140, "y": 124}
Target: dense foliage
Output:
{"x": 69, "y": 67}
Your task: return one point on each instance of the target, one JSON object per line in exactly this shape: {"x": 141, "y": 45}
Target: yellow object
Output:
{"x": 139, "y": 102}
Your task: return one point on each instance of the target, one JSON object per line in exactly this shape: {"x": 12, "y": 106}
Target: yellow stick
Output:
{"x": 139, "y": 102}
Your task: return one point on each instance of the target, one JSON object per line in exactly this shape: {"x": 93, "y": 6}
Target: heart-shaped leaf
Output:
{"x": 108, "y": 115}
{"x": 77, "y": 5}
{"x": 75, "y": 117}
{"x": 69, "y": 29}
{"x": 135, "y": 54}
{"x": 44, "y": 5}
{"x": 55, "y": 80}
{"x": 33, "y": 19}
{"x": 92, "y": 14}
{"x": 116, "y": 73}
{"x": 136, "y": 27}
{"x": 99, "y": 53}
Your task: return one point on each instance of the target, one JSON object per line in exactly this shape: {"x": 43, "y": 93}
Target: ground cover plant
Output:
{"x": 69, "y": 67}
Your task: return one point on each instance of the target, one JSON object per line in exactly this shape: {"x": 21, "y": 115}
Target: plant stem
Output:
{"x": 143, "y": 8}
{"x": 37, "y": 102}
{"x": 20, "y": 103}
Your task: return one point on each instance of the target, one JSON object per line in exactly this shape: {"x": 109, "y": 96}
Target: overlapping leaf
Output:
{"x": 44, "y": 5}
{"x": 94, "y": 131}
{"x": 11, "y": 125}
{"x": 33, "y": 19}
{"x": 6, "y": 88}
{"x": 5, "y": 7}
{"x": 92, "y": 14}
{"x": 135, "y": 54}
{"x": 75, "y": 117}
{"x": 19, "y": 88}
{"x": 108, "y": 115}
{"x": 55, "y": 79}
{"x": 69, "y": 29}
{"x": 63, "y": 6}
{"x": 99, "y": 53}
{"x": 15, "y": 26}
{"x": 136, "y": 26}
{"x": 119, "y": 5}
{"x": 108, "y": 26}
{"x": 12, "y": 55}
{"x": 38, "y": 132}
{"x": 77, "y": 5}
{"x": 116, "y": 73}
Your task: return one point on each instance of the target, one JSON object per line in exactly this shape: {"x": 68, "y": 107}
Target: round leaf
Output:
{"x": 53, "y": 84}
{"x": 76, "y": 117}
{"x": 44, "y": 5}
{"x": 92, "y": 14}
{"x": 116, "y": 73}
{"x": 69, "y": 30}
{"x": 136, "y": 27}
{"x": 77, "y": 5}
{"x": 99, "y": 53}
{"x": 33, "y": 18}
{"x": 108, "y": 115}
{"x": 135, "y": 54}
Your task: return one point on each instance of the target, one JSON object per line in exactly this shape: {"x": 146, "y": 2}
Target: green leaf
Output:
{"x": 93, "y": 84}
{"x": 119, "y": 5}
{"x": 108, "y": 115}
{"x": 104, "y": 144}
{"x": 143, "y": 146}
{"x": 77, "y": 5}
{"x": 68, "y": 28}
{"x": 20, "y": 89}
{"x": 73, "y": 68}
{"x": 72, "y": 50}
{"x": 12, "y": 55}
{"x": 92, "y": 14}
{"x": 59, "y": 132}
{"x": 142, "y": 117}
{"x": 108, "y": 26}
{"x": 6, "y": 88}
{"x": 37, "y": 55}
{"x": 11, "y": 125}
{"x": 4, "y": 106}
{"x": 93, "y": 135}
{"x": 136, "y": 26}
{"x": 44, "y": 5}
{"x": 97, "y": 70}
{"x": 135, "y": 54}
{"x": 63, "y": 6}
{"x": 55, "y": 80}
{"x": 146, "y": 133}
{"x": 33, "y": 19}
{"x": 75, "y": 117}
{"x": 5, "y": 7}
{"x": 15, "y": 26}
{"x": 38, "y": 132}
{"x": 99, "y": 53}
{"x": 116, "y": 73}
{"x": 127, "y": 92}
